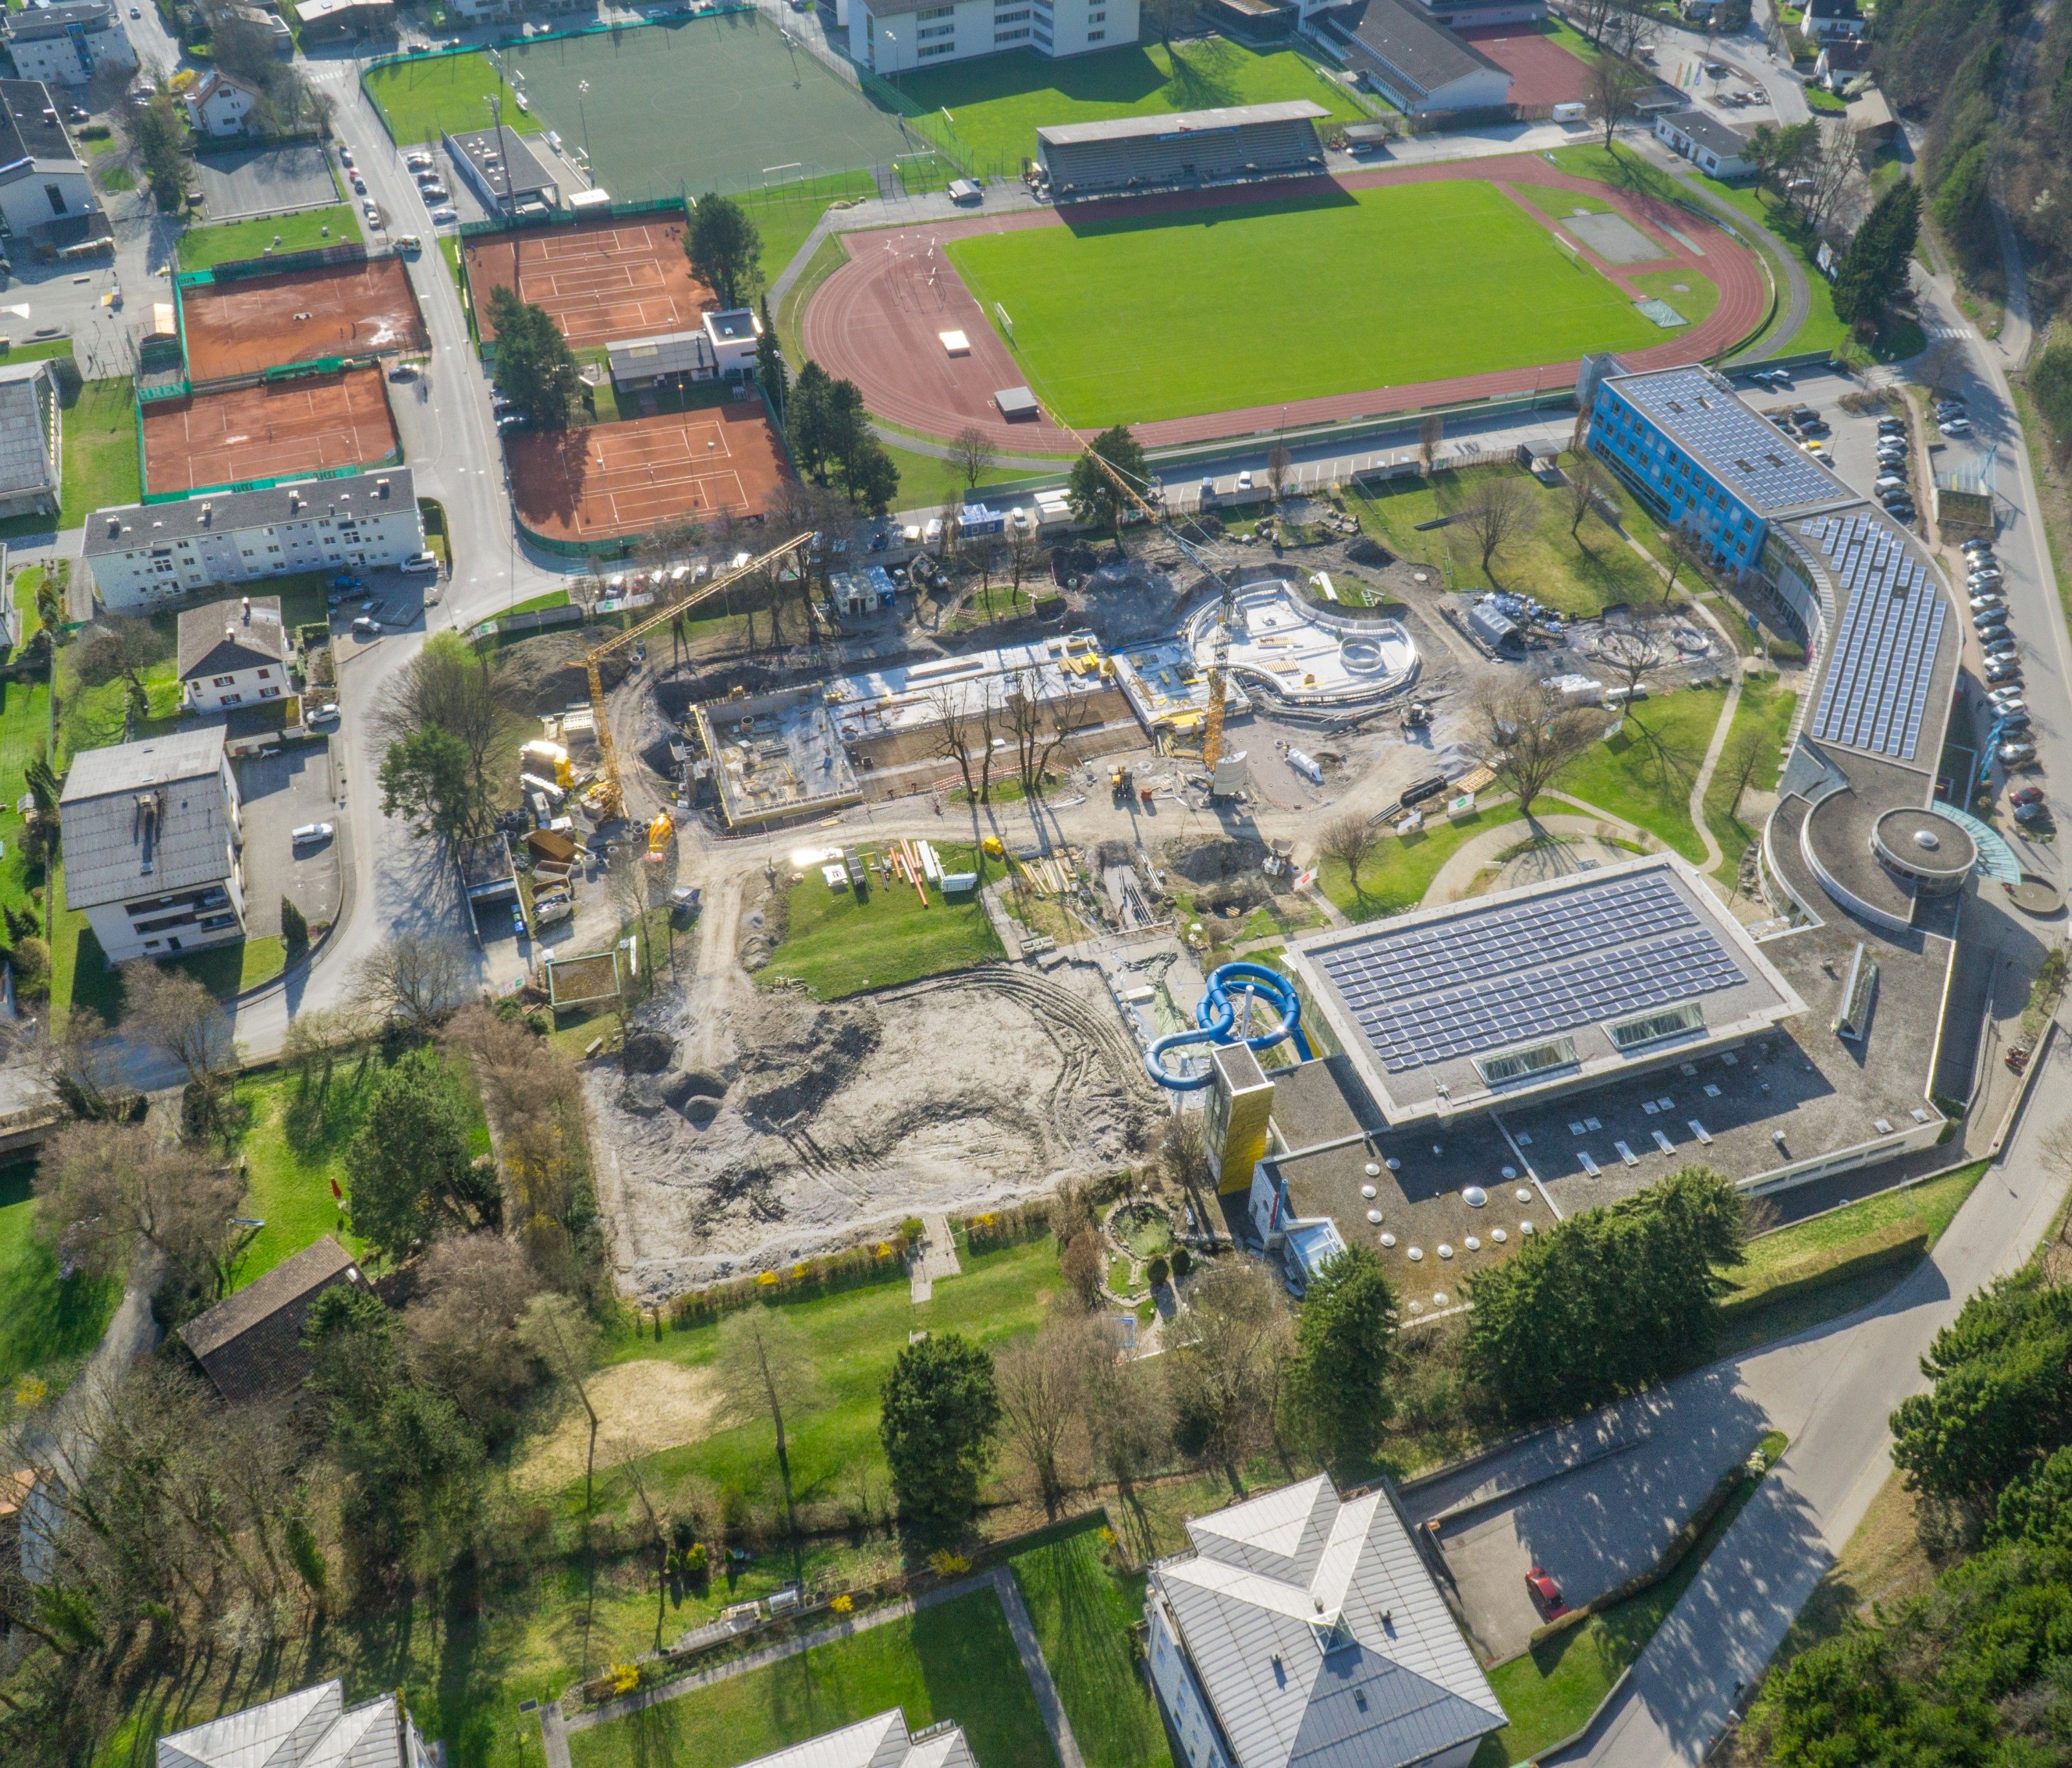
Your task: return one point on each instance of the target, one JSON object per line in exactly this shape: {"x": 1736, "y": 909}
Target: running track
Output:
{"x": 865, "y": 324}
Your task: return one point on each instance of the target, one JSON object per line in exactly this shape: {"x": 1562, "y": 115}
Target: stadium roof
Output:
{"x": 1537, "y": 989}
{"x": 116, "y": 848}
{"x": 1318, "y": 1636}
{"x": 1178, "y": 123}
{"x": 1420, "y": 49}
{"x": 1746, "y": 452}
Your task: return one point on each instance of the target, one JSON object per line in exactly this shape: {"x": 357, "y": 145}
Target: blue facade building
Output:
{"x": 1698, "y": 457}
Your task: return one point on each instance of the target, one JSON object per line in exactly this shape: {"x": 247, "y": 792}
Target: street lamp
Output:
{"x": 583, "y": 113}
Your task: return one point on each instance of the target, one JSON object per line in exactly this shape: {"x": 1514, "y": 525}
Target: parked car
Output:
{"x": 2016, "y": 725}
{"x": 322, "y": 715}
{"x": 409, "y": 245}
{"x": 1957, "y": 426}
{"x": 1977, "y": 549}
{"x": 403, "y": 371}
{"x": 309, "y": 832}
{"x": 443, "y": 217}
{"x": 367, "y": 626}
{"x": 418, "y": 163}
{"x": 371, "y": 213}
{"x": 1244, "y": 482}
{"x": 1546, "y": 1594}
{"x": 2005, "y": 670}
{"x": 2018, "y": 753}
{"x": 421, "y": 562}
{"x": 345, "y": 580}
{"x": 434, "y": 193}
{"x": 359, "y": 185}
{"x": 2029, "y": 816}
{"x": 2026, "y": 795}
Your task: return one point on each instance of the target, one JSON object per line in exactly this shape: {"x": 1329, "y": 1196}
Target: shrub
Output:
{"x": 2050, "y": 383}
{"x": 294, "y": 929}
{"x": 1157, "y": 1272}
{"x": 1183, "y": 1261}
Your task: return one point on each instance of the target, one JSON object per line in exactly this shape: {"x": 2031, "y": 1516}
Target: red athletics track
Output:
{"x": 875, "y": 320}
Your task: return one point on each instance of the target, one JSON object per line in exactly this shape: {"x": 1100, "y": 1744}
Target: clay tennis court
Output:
{"x": 877, "y": 321}
{"x": 619, "y": 279}
{"x": 612, "y": 481}
{"x": 253, "y": 323}
{"x": 282, "y": 427}
{"x": 1542, "y": 73}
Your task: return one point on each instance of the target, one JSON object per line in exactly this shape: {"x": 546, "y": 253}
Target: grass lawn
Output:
{"x": 36, "y": 350}
{"x": 1584, "y": 575}
{"x": 1692, "y": 295}
{"x": 786, "y": 215}
{"x": 1084, "y": 1610}
{"x": 996, "y": 105}
{"x": 1550, "y": 1690}
{"x": 25, "y": 712}
{"x": 294, "y": 1147}
{"x": 837, "y": 945}
{"x": 1644, "y": 773}
{"x": 1132, "y": 319}
{"x": 202, "y": 248}
{"x": 100, "y": 462}
{"x": 48, "y": 1319}
{"x": 1765, "y": 710}
{"x": 925, "y": 480}
{"x": 93, "y": 718}
{"x": 424, "y": 97}
{"x": 1403, "y": 866}
{"x": 854, "y": 1336}
{"x": 953, "y": 1661}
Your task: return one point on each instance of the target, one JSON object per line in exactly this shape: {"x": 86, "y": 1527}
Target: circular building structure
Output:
{"x": 1305, "y": 653}
{"x": 1933, "y": 852}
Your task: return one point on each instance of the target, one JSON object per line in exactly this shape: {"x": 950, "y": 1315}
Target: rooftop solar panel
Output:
{"x": 1883, "y": 657}
{"x": 1434, "y": 991}
{"x": 1746, "y": 452}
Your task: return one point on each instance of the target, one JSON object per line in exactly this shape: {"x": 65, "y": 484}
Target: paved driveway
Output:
{"x": 282, "y": 792}
{"x": 264, "y": 180}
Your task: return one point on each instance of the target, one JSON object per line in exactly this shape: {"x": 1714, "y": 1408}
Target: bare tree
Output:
{"x": 1027, "y": 713}
{"x": 555, "y": 1329}
{"x": 1082, "y": 1263}
{"x": 1496, "y": 516}
{"x": 972, "y": 455}
{"x": 766, "y": 1370}
{"x": 447, "y": 687}
{"x": 1940, "y": 367}
{"x": 1627, "y": 31}
{"x": 1351, "y": 841}
{"x": 1278, "y": 461}
{"x": 1631, "y": 651}
{"x": 1744, "y": 756}
{"x": 105, "y": 1189}
{"x": 1528, "y": 735}
{"x": 1613, "y": 84}
{"x": 1430, "y": 432}
{"x": 1025, "y": 552}
{"x": 1042, "y": 1383}
{"x": 1836, "y": 176}
{"x": 416, "y": 979}
{"x": 1687, "y": 559}
{"x": 462, "y": 1318}
{"x": 1584, "y": 485}
{"x": 1225, "y": 1355}
{"x": 83, "y": 1062}
{"x": 951, "y": 732}
{"x": 171, "y": 1013}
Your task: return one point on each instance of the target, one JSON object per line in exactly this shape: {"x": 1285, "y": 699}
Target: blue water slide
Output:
{"x": 1215, "y": 1021}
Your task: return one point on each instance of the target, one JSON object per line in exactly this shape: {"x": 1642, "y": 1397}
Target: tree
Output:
{"x": 533, "y": 368}
{"x": 105, "y": 1189}
{"x": 426, "y": 777}
{"x": 973, "y": 456}
{"x": 1129, "y": 1424}
{"x": 462, "y": 1325}
{"x": 1833, "y": 176}
{"x": 448, "y": 687}
{"x": 1687, "y": 559}
{"x": 410, "y": 1171}
{"x": 555, "y": 1329}
{"x": 1337, "y": 1391}
{"x": 1744, "y": 756}
{"x": 938, "y": 1414}
{"x": 1226, "y": 1354}
{"x": 1430, "y": 432}
{"x": 1585, "y": 484}
{"x": 1659, "y": 1253}
{"x": 770, "y": 371}
{"x": 1631, "y": 651}
{"x": 1278, "y": 461}
{"x": 2050, "y": 385}
{"x": 416, "y": 980}
{"x": 170, "y": 1012}
{"x": 1083, "y": 1265}
{"x": 158, "y": 139}
{"x": 85, "y": 1067}
{"x": 1035, "y": 747}
{"x": 1350, "y": 841}
{"x": 725, "y": 249}
{"x": 951, "y": 741}
{"x": 807, "y": 418}
{"x": 1496, "y": 516}
{"x": 1528, "y": 735}
{"x": 1875, "y": 268}
{"x": 1940, "y": 368}
{"x": 1613, "y": 83}
{"x": 1042, "y": 1383}
{"x": 1092, "y": 489}
{"x": 1161, "y": 18}
{"x": 765, "y": 1368}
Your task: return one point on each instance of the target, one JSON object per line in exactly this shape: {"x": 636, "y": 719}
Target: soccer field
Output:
{"x": 424, "y": 97}
{"x": 1131, "y": 321}
{"x": 997, "y": 103}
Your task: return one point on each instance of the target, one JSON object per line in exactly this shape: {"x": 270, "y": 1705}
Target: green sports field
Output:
{"x": 1131, "y": 321}
{"x": 424, "y": 97}
{"x": 997, "y": 103}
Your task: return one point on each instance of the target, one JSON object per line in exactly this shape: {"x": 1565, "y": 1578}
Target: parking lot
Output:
{"x": 264, "y": 181}
{"x": 282, "y": 792}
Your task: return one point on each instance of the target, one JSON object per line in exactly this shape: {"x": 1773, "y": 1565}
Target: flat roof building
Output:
{"x": 143, "y": 553}
{"x": 69, "y": 43}
{"x": 333, "y": 21}
{"x": 673, "y": 357}
{"x": 42, "y": 180}
{"x": 503, "y": 172}
{"x": 1302, "y": 1630}
{"x": 1713, "y": 147}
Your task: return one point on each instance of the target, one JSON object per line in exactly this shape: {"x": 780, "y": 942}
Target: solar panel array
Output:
{"x": 1485, "y": 980}
{"x": 1881, "y": 663}
{"x": 1747, "y": 454}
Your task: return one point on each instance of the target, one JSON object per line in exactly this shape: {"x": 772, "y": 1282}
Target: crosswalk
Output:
{"x": 1963, "y": 333}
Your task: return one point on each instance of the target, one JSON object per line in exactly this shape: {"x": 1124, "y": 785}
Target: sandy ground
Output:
{"x": 827, "y": 1123}
{"x": 641, "y": 1407}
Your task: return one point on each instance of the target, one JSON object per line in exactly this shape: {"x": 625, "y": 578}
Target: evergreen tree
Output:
{"x": 409, "y": 1171}
{"x": 533, "y": 368}
{"x": 1336, "y": 1390}
{"x": 1874, "y": 268}
{"x": 725, "y": 250}
{"x": 938, "y": 1418}
{"x": 807, "y": 419}
{"x": 426, "y": 776}
{"x": 1092, "y": 492}
{"x": 769, "y": 365}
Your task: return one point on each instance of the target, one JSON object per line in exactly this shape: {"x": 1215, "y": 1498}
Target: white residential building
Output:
{"x": 69, "y": 43}
{"x": 233, "y": 654}
{"x": 152, "y": 833}
{"x": 1712, "y": 146}
{"x": 312, "y": 1727}
{"x": 144, "y": 553}
{"x": 1304, "y": 1631}
{"x": 891, "y": 37}
{"x": 218, "y": 104}
{"x": 42, "y": 177}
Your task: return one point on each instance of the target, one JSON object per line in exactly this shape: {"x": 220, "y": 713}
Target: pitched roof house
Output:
{"x": 883, "y": 1741}
{"x": 1304, "y": 1631}
{"x": 232, "y": 653}
{"x": 312, "y": 1727}
{"x": 251, "y": 1344}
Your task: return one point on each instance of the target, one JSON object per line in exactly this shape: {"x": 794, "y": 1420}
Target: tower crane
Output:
{"x": 611, "y": 796}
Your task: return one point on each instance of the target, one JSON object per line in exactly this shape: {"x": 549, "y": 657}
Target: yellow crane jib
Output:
{"x": 610, "y": 795}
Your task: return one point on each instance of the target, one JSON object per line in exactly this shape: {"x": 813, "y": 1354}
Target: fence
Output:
{"x": 317, "y": 257}
{"x": 551, "y": 218}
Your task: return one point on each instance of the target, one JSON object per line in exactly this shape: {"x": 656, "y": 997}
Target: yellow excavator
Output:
{"x": 609, "y": 797}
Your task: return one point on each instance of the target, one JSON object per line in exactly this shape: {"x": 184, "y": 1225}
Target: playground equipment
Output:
{"x": 1231, "y": 990}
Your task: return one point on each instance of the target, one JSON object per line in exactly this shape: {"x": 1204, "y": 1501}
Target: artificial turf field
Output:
{"x": 1132, "y": 321}
{"x": 421, "y": 97}
{"x": 997, "y": 103}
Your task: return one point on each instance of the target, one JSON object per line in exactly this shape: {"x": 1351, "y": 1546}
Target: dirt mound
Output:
{"x": 1211, "y": 859}
{"x": 546, "y": 672}
{"x": 681, "y": 1088}
{"x": 802, "y": 1056}
{"x": 648, "y": 1052}
{"x": 1366, "y": 551}
{"x": 762, "y": 926}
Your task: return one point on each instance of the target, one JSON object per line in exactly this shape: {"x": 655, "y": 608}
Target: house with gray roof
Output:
{"x": 881, "y": 1741}
{"x": 32, "y": 454}
{"x": 233, "y": 654}
{"x": 152, "y": 836}
{"x": 250, "y": 1344}
{"x": 1411, "y": 59}
{"x": 1302, "y": 1630}
{"x": 42, "y": 180}
{"x": 70, "y": 42}
{"x": 312, "y": 1727}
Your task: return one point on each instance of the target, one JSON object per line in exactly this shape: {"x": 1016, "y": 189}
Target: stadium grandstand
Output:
{"x": 1180, "y": 151}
